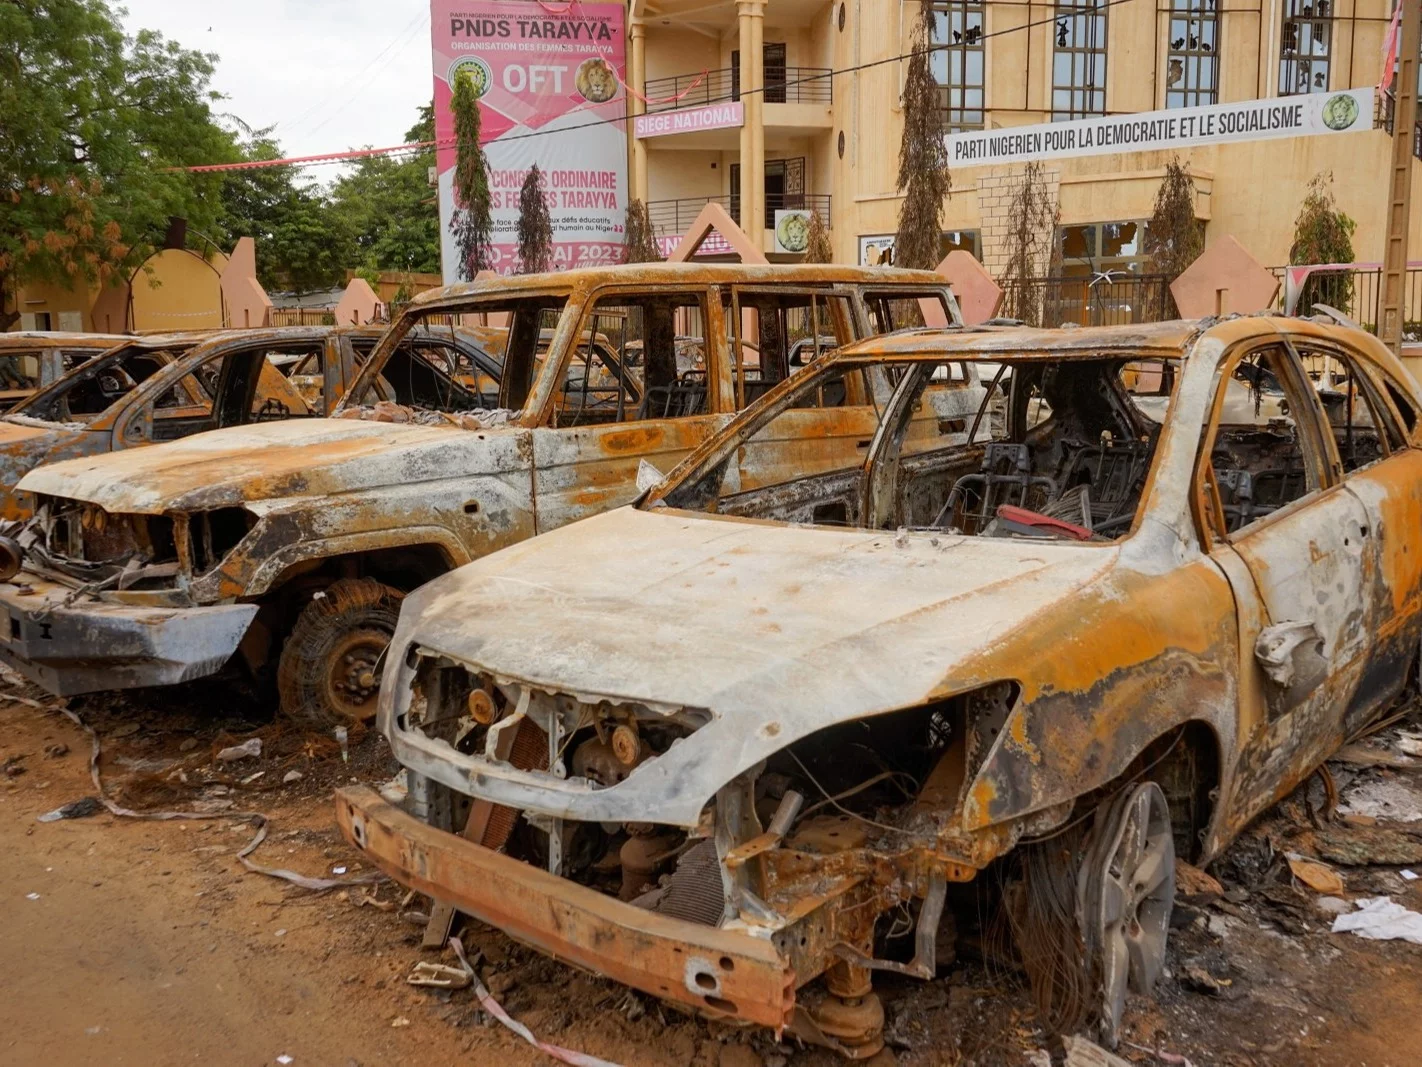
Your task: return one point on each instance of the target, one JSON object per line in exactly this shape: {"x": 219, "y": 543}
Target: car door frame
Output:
{"x": 1283, "y": 732}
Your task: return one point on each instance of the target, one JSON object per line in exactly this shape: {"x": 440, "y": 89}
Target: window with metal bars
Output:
{"x": 1079, "y": 59}
{"x": 958, "y": 65}
{"x": 1305, "y": 47}
{"x": 1192, "y": 60}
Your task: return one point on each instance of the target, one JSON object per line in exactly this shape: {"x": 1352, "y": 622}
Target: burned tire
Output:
{"x": 329, "y": 674}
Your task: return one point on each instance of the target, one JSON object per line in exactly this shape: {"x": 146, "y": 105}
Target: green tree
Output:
{"x": 92, "y": 125}
{"x": 472, "y": 225}
{"x": 303, "y": 242}
{"x": 641, "y": 239}
{"x": 1174, "y": 237}
{"x": 389, "y": 208}
{"x": 923, "y": 157}
{"x": 535, "y": 225}
{"x": 1323, "y": 234}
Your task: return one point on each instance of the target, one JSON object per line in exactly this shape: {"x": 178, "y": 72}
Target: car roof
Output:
{"x": 679, "y": 273}
{"x": 55, "y": 339}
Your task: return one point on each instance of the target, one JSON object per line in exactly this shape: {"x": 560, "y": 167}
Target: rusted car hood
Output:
{"x": 24, "y": 445}
{"x": 245, "y": 464}
{"x": 776, "y": 630}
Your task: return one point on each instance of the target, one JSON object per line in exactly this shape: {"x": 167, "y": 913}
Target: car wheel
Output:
{"x": 1125, "y": 892}
{"x": 329, "y": 674}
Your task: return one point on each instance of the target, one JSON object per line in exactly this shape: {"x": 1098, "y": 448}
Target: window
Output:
{"x": 1097, "y": 247}
{"x": 1362, "y": 426}
{"x": 1306, "y": 46}
{"x": 641, "y": 356}
{"x": 958, "y": 67}
{"x": 1191, "y": 68}
{"x": 776, "y": 333}
{"x": 878, "y": 250}
{"x": 1079, "y": 60}
{"x": 1259, "y": 460}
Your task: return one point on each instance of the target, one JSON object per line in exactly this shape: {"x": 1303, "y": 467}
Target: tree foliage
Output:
{"x": 91, "y": 124}
{"x": 1031, "y": 245}
{"x": 641, "y": 240}
{"x": 1323, "y": 234}
{"x": 389, "y": 209}
{"x": 473, "y": 224}
{"x": 535, "y": 225}
{"x": 1174, "y": 237}
{"x": 923, "y": 156}
{"x": 818, "y": 248}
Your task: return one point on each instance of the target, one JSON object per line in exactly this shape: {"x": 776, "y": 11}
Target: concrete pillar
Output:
{"x": 756, "y": 68}
{"x": 637, "y": 79}
{"x": 746, "y": 192}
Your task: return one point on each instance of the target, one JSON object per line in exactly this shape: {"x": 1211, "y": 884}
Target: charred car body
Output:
{"x": 747, "y": 734}
{"x": 30, "y": 360}
{"x": 293, "y": 542}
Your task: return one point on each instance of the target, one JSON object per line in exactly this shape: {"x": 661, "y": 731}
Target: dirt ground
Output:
{"x": 136, "y": 942}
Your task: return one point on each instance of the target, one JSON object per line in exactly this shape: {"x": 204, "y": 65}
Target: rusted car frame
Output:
{"x": 298, "y": 539}
{"x": 1091, "y": 632}
{"x": 31, "y": 360}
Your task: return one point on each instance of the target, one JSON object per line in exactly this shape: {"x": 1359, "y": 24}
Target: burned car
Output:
{"x": 752, "y": 740}
{"x": 290, "y": 543}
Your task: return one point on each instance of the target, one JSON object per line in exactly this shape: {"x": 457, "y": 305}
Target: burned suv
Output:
{"x": 754, "y": 732}
{"x": 290, "y": 544}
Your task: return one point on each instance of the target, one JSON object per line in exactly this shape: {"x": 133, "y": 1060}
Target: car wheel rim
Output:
{"x": 353, "y": 673}
{"x": 1133, "y": 891}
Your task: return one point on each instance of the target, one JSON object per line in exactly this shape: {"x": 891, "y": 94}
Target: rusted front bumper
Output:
{"x": 719, "y": 973}
{"x": 88, "y": 645}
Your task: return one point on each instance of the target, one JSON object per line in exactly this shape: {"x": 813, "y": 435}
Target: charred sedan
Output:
{"x": 753, "y": 733}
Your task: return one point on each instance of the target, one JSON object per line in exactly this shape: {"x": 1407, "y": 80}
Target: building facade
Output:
{"x": 824, "y": 132}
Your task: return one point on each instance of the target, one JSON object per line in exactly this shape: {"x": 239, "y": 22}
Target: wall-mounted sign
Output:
{"x": 714, "y": 245}
{"x": 692, "y": 120}
{"x": 1314, "y": 114}
{"x": 792, "y": 230}
{"x": 550, "y": 92}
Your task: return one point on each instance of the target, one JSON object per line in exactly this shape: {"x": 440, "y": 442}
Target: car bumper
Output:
{"x": 88, "y": 645}
{"x": 719, "y": 973}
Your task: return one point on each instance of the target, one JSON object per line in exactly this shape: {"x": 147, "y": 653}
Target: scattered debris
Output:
{"x": 361, "y": 900}
{"x": 1333, "y": 905}
{"x": 1408, "y": 876}
{"x": 32, "y": 896}
{"x": 1193, "y": 976}
{"x": 188, "y": 744}
{"x": 1317, "y": 876}
{"x": 56, "y": 751}
{"x": 399, "y": 1021}
{"x": 396, "y": 790}
{"x": 438, "y": 976}
{"x": 14, "y": 766}
{"x": 249, "y": 749}
{"x": 127, "y": 729}
{"x": 1381, "y": 919}
{"x": 251, "y": 778}
{"x": 489, "y": 1004}
{"x": 1082, "y": 1052}
{"x": 1190, "y": 881}
{"x": 1383, "y": 798}
{"x": 77, "y": 809}
{"x": 291, "y": 776}
{"x": 1365, "y": 846}
{"x": 283, "y": 1059}
{"x": 343, "y": 739}
{"x": 1368, "y": 756}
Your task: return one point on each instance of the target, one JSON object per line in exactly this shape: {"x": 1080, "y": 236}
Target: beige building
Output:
{"x": 830, "y": 141}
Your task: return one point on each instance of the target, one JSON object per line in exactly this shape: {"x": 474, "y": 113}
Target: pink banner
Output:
{"x": 550, "y": 82}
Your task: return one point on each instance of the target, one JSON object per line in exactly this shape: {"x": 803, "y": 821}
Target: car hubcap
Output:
{"x": 1128, "y": 889}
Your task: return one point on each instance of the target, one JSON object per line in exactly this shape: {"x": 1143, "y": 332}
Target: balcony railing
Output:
{"x": 1359, "y": 295}
{"x": 783, "y": 85}
{"x": 1386, "y": 103}
{"x": 1109, "y": 298}
{"x": 674, "y": 216}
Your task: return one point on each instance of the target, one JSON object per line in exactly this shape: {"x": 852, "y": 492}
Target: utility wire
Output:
{"x": 337, "y": 158}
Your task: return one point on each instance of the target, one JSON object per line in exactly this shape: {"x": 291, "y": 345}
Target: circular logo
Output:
{"x": 478, "y": 71}
{"x": 793, "y": 233}
{"x": 1340, "y": 112}
{"x": 596, "y": 81}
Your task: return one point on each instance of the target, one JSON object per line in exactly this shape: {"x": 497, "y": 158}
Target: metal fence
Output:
{"x": 783, "y": 85}
{"x": 1358, "y": 294}
{"x": 671, "y": 217}
{"x": 1106, "y": 299}
{"x": 317, "y": 316}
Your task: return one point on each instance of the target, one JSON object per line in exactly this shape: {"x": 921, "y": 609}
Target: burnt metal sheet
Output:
{"x": 715, "y": 972}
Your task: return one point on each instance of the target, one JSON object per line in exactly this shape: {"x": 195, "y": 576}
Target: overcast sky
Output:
{"x": 329, "y": 75}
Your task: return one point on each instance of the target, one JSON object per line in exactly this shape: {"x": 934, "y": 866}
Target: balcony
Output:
{"x": 673, "y": 217}
{"x": 783, "y": 85}
{"x": 1386, "y": 104}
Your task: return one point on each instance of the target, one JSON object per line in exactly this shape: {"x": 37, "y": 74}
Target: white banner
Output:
{"x": 1350, "y": 111}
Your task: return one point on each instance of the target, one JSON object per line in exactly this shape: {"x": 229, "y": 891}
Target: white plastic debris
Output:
{"x": 343, "y": 739}
{"x": 283, "y": 1059}
{"x": 1408, "y": 876}
{"x": 396, "y": 790}
{"x": 1383, "y": 798}
{"x": 248, "y": 749}
{"x": 1381, "y": 919}
{"x": 32, "y": 896}
{"x": 1333, "y": 905}
{"x": 291, "y": 776}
